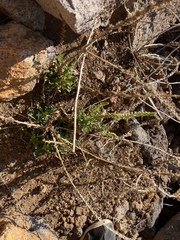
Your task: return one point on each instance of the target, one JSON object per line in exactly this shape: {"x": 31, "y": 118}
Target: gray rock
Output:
{"x": 154, "y": 23}
{"x": 154, "y": 142}
{"x": 23, "y": 56}
{"x": 81, "y": 15}
{"x": 154, "y": 209}
{"x": 171, "y": 231}
{"x": 26, "y": 12}
{"x": 157, "y": 207}
{"x": 41, "y": 229}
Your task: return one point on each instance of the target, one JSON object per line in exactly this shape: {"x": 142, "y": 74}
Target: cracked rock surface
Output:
{"x": 24, "y": 54}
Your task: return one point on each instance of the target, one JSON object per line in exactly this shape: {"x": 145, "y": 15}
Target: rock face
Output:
{"x": 21, "y": 227}
{"x": 23, "y": 55}
{"x": 80, "y": 15}
{"x": 171, "y": 231}
{"x": 26, "y": 12}
{"x": 151, "y": 26}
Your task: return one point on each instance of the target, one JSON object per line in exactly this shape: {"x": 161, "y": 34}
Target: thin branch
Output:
{"x": 78, "y": 91}
{"x": 153, "y": 147}
{"x": 163, "y": 113}
{"x": 12, "y": 120}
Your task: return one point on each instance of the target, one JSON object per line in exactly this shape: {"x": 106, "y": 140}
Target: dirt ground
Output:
{"x": 124, "y": 178}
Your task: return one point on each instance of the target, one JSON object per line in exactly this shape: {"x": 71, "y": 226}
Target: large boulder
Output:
{"x": 26, "y": 12}
{"x": 23, "y": 56}
{"x": 81, "y": 15}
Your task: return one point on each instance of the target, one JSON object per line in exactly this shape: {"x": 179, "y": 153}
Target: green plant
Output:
{"x": 63, "y": 80}
{"x": 93, "y": 119}
{"x": 37, "y": 142}
{"x": 47, "y": 121}
{"x": 41, "y": 116}
{"x": 88, "y": 121}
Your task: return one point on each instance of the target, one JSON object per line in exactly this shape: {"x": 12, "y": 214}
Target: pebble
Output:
{"x": 71, "y": 213}
{"x": 80, "y": 211}
{"x": 80, "y": 220}
{"x": 79, "y": 232}
{"x": 121, "y": 227}
{"x": 68, "y": 226}
{"x": 71, "y": 219}
{"x": 100, "y": 75}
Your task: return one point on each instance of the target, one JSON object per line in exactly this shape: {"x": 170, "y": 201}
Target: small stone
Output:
{"x": 80, "y": 220}
{"x": 111, "y": 167}
{"x": 121, "y": 227}
{"x": 57, "y": 208}
{"x": 43, "y": 188}
{"x": 79, "y": 232}
{"x": 80, "y": 211}
{"x": 100, "y": 75}
{"x": 71, "y": 213}
{"x": 68, "y": 226}
{"x": 71, "y": 201}
{"x": 63, "y": 219}
{"x": 71, "y": 219}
